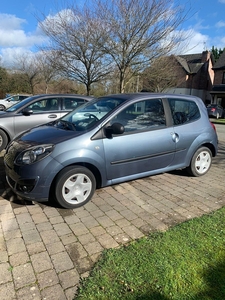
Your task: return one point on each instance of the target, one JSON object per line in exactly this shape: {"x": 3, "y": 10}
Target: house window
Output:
{"x": 223, "y": 80}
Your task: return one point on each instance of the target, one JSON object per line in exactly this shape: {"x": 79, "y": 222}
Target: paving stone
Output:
{"x": 19, "y": 259}
{"x": 29, "y": 293}
{"x": 31, "y": 236}
{"x": 54, "y": 292}
{"x": 47, "y": 278}
{"x": 49, "y": 236}
{"x": 7, "y": 291}
{"x": 69, "y": 278}
{"x": 76, "y": 251}
{"x": 86, "y": 238}
{"x": 41, "y": 262}
{"x": 107, "y": 241}
{"x": 94, "y": 247}
{"x": 79, "y": 229}
{"x": 5, "y": 273}
{"x": 62, "y": 229}
{"x": 68, "y": 239}
{"x": 23, "y": 275}
{"x": 62, "y": 262}
{"x": 15, "y": 245}
{"x": 54, "y": 248}
{"x": 36, "y": 248}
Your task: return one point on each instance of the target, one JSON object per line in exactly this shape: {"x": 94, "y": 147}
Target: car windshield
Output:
{"x": 87, "y": 115}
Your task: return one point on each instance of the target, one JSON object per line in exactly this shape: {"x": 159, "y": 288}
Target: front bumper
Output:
{"x": 32, "y": 182}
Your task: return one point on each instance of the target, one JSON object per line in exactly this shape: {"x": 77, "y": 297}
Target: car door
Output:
{"x": 41, "y": 112}
{"x": 147, "y": 143}
{"x": 185, "y": 114}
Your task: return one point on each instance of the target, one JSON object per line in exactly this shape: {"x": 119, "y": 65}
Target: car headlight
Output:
{"x": 34, "y": 154}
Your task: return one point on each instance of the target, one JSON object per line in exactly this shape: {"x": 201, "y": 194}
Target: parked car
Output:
{"x": 107, "y": 141}
{"x": 11, "y": 100}
{"x": 215, "y": 111}
{"x": 35, "y": 110}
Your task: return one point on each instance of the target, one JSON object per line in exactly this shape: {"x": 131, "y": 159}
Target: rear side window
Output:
{"x": 183, "y": 111}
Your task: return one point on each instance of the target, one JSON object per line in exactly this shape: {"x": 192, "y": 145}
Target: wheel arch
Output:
{"x": 89, "y": 166}
{"x": 211, "y": 148}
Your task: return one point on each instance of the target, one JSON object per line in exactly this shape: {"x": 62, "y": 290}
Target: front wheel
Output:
{"x": 2, "y": 107}
{"x": 200, "y": 162}
{"x": 3, "y": 140}
{"x": 74, "y": 186}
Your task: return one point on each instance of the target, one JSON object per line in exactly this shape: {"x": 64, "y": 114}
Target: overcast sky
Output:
{"x": 19, "y": 27}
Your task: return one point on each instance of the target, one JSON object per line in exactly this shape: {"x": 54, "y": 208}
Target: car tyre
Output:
{"x": 74, "y": 186}
{"x": 200, "y": 162}
{"x": 2, "y": 107}
{"x": 3, "y": 140}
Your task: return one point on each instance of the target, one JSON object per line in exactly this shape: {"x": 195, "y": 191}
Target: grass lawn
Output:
{"x": 185, "y": 262}
{"x": 218, "y": 121}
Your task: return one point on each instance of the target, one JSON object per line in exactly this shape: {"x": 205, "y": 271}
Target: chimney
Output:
{"x": 205, "y": 56}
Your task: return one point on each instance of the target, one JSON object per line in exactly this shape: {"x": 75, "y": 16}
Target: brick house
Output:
{"x": 196, "y": 75}
{"x": 218, "y": 88}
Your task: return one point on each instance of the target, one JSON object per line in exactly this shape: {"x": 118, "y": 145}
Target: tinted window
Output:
{"x": 144, "y": 115}
{"x": 183, "y": 111}
{"x": 44, "y": 105}
{"x": 72, "y": 103}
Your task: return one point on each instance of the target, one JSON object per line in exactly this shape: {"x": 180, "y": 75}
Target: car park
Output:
{"x": 107, "y": 141}
{"x": 36, "y": 110}
{"x": 215, "y": 111}
{"x": 11, "y": 100}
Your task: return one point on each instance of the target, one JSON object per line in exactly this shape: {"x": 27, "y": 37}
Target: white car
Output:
{"x": 9, "y": 101}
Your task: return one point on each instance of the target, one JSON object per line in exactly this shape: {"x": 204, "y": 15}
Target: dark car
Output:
{"x": 35, "y": 110}
{"x": 107, "y": 141}
{"x": 215, "y": 111}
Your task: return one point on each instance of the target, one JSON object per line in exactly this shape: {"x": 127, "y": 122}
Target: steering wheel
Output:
{"x": 91, "y": 116}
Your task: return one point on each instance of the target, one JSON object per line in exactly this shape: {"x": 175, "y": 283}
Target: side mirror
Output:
{"x": 27, "y": 112}
{"x": 115, "y": 128}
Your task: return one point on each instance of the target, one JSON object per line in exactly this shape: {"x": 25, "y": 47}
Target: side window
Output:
{"x": 143, "y": 115}
{"x": 183, "y": 111}
{"x": 72, "y": 103}
{"x": 51, "y": 104}
{"x": 223, "y": 79}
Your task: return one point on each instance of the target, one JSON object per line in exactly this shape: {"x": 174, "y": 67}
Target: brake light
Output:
{"x": 213, "y": 126}
{"x": 213, "y": 109}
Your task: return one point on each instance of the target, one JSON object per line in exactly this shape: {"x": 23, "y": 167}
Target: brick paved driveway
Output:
{"x": 45, "y": 250}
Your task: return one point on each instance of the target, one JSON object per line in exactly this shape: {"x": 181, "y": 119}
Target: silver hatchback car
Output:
{"x": 36, "y": 110}
{"x": 107, "y": 141}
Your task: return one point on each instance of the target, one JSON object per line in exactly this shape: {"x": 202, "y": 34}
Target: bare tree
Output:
{"x": 162, "y": 74}
{"x": 47, "y": 68}
{"x": 137, "y": 31}
{"x": 28, "y": 65}
{"x": 75, "y": 38}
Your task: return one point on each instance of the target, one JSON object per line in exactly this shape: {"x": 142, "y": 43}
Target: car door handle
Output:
{"x": 52, "y": 116}
{"x": 175, "y": 137}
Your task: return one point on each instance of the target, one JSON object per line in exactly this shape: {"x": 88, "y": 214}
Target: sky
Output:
{"x": 19, "y": 31}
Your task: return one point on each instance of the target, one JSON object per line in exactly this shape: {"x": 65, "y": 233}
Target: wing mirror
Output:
{"x": 27, "y": 112}
{"x": 115, "y": 128}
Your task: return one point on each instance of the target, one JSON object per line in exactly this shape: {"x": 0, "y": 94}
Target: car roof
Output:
{"x": 141, "y": 95}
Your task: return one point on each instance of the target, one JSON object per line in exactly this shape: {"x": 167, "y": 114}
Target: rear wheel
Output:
{"x": 3, "y": 140}
{"x": 74, "y": 186}
{"x": 2, "y": 107}
{"x": 200, "y": 162}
